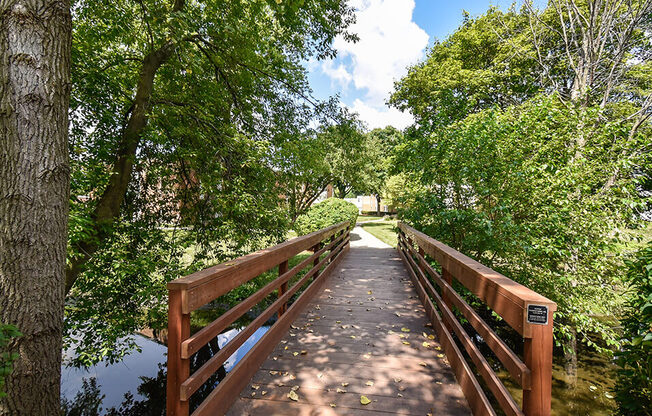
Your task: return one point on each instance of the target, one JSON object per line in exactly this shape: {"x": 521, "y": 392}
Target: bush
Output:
{"x": 325, "y": 214}
{"x": 634, "y": 387}
{"x": 7, "y": 333}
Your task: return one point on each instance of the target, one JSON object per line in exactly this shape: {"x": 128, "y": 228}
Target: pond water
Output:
{"x": 137, "y": 384}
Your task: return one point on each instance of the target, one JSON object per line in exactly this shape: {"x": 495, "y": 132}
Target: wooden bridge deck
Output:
{"x": 365, "y": 333}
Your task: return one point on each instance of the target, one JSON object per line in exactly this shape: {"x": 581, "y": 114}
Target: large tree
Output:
{"x": 489, "y": 173}
{"x": 34, "y": 185}
{"x": 178, "y": 109}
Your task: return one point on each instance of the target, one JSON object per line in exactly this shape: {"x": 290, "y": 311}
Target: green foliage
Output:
{"x": 514, "y": 190}
{"x": 325, "y": 214}
{"x": 205, "y": 185}
{"x": 634, "y": 386}
{"x": 7, "y": 333}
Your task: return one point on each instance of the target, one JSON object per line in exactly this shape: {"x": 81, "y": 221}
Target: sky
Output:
{"x": 394, "y": 34}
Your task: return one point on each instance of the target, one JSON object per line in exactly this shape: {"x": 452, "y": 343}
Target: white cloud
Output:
{"x": 381, "y": 117}
{"x": 389, "y": 42}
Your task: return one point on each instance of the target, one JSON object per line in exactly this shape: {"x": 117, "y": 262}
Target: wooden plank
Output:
{"x": 504, "y": 398}
{"x": 199, "y": 377}
{"x": 223, "y": 396}
{"x": 208, "y": 284}
{"x": 505, "y": 296}
{"x": 517, "y": 368}
{"x": 203, "y": 336}
{"x": 472, "y": 391}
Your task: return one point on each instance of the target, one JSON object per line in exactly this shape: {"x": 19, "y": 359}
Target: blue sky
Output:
{"x": 393, "y": 35}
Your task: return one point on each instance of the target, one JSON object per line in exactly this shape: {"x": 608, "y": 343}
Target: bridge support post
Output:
{"x": 178, "y": 368}
{"x": 282, "y": 269}
{"x": 537, "y": 353}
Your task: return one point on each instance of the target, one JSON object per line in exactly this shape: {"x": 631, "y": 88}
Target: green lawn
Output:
{"x": 366, "y": 218}
{"x": 384, "y": 231}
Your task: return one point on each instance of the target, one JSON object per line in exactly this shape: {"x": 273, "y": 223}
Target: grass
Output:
{"x": 384, "y": 231}
{"x": 367, "y": 218}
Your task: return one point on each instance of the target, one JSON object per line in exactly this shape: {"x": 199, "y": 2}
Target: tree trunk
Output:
{"x": 378, "y": 205}
{"x": 35, "y": 42}
{"x": 108, "y": 207}
{"x": 570, "y": 359}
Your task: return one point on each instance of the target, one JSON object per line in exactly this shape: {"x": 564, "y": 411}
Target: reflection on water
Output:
{"x": 592, "y": 394}
{"x": 136, "y": 386}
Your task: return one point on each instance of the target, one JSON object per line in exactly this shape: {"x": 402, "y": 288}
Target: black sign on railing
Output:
{"x": 537, "y": 314}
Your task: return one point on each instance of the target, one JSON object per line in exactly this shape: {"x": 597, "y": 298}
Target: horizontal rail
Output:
{"x": 193, "y": 291}
{"x": 200, "y": 376}
{"x": 496, "y": 387}
{"x": 221, "y": 399}
{"x": 198, "y": 340}
{"x": 504, "y": 296}
{"x": 514, "y": 365}
{"x": 529, "y": 313}
{"x": 203, "y": 286}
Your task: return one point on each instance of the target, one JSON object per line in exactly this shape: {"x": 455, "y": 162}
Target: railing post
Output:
{"x": 282, "y": 269}
{"x": 537, "y": 353}
{"x": 178, "y": 368}
{"x": 421, "y": 266}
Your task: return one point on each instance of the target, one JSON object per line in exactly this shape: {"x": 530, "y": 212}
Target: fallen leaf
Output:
{"x": 423, "y": 364}
{"x": 401, "y": 388}
{"x": 353, "y": 336}
{"x": 608, "y": 395}
{"x": 398, "y": 380}
{"x": 369, "y": 383}
{"x": 295, "y": 388}
{"x": 295, "y": 353}
{"x": 406, "y": 343}
{"x": 440, "y": 355}
{"x": 264, "y": 392}
{"x": 399, "y": 395}
{"x": 273, "y": 373}
{"x": 431, "y": 336}
{"x": 338, "y": 322}
{"x": 333, "y": 405}
{"x": 426, "y": 344}
{"x": 404, "y": 329}
{"x": 369, "y": 292}
{"x": 345, "y": 384}
{"x": 364, "y": 400}
{"x": 339, "y": 390}
{"x": 292, "y": 395}
{"x": 304, "y": 352}
{"x": 593, "y": 388}
{"x": 253, "y": 394}
{"x": 255, "y": 387}
{"x": 320, "y": 375}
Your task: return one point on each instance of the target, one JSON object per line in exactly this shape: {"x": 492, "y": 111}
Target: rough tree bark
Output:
{"x": 35, "y": 42}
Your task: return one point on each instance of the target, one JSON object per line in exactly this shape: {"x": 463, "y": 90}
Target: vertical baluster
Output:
{"x": 282, "y": 269}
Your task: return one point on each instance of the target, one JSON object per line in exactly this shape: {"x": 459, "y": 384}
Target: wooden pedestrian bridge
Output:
{"x": 362, "y": 329}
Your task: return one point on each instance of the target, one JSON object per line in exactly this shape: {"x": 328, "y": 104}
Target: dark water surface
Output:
{"x": 136, "y": 386}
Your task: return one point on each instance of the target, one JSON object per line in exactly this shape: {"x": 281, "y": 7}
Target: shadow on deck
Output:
{"x": 366, "y": 333}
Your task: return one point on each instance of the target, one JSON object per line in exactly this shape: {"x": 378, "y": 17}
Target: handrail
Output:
{"x": 529, "y": 313}
{"x": 191, "y": 292}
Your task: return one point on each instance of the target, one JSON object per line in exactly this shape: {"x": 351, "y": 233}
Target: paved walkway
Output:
{"x": 366, "y": 334}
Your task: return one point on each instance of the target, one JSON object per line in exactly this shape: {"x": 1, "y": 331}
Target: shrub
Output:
{"x": 634, "y": 387}
{"x": 325, "y": 214}
{"x": 7, "y": 333}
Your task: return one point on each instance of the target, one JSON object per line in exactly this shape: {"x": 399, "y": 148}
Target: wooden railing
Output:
{"x": 527, "y": 312}
{"x": 191, "y": 292}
